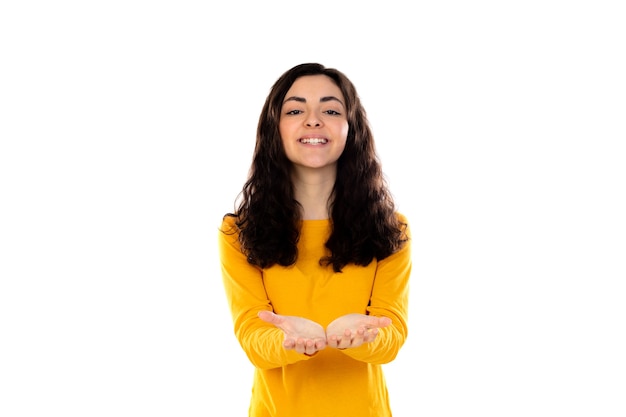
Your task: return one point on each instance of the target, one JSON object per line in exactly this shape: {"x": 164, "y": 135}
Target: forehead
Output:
{"x": 314, "y": 86}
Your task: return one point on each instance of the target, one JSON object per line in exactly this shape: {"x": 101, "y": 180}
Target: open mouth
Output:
{"x": 314, "y": 141}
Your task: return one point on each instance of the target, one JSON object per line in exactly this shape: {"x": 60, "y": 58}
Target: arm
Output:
{"x": 390, "y": 299}
{"x": 262, "y": 341}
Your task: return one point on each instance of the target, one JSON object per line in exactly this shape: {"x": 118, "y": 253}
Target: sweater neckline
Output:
{"x": 315, "y": 224}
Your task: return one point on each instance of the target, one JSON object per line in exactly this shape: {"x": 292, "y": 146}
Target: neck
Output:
{"x": 312, "y": 191}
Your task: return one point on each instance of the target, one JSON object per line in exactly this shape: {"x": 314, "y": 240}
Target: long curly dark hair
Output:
{"x": 363, "y": 215}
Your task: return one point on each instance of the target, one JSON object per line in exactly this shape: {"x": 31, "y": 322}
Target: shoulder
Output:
{"x": 229, "y": 225}
{"x": 402, "y": 218}
{"x": 229, "y": 221}
{"x": 228, "y": 234}
{"x": 404, "y": 225}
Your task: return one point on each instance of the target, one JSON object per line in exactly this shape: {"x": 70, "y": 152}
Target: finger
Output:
{"x": 359, "y": 337}
{"x": 289, "y": 344}
{"x": 306, "y": 346}
{"x": 384, "y": 322}
{"x": 378, "y": 322}
{"x": 268, "y": 316}
{"x": 346, "y": 340}
{"x": 332, "y": 341}
{"x": 320, "y": 344}
{"x": 370, "y": 335}
{"x": 300, "y": 345}
{"x": 310, "y": 347}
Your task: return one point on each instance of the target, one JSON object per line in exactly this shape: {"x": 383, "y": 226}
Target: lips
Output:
{"x": 313, "y": 141}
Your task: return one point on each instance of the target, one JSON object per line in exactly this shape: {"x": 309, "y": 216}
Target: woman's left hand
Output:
{"x": 353, "y": 330}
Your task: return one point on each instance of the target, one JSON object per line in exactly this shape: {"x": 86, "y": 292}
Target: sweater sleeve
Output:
{"x": 390, "y": 298}
{"x": 246, "y": 296}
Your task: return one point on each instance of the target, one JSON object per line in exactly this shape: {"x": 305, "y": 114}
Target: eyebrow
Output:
{"x": 324, "y": 99}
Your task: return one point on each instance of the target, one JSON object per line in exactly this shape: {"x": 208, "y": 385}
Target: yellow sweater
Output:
{"x": 333, "y": 382}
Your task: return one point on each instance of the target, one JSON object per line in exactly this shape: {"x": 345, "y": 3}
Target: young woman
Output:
{"x": 315, "y": 258}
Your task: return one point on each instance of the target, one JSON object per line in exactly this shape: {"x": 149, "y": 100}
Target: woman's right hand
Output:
{"x": 302, "y": 335}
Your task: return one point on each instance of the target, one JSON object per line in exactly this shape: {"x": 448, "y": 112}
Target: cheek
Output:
{"x": 345, "y": 128}
{"x": 285, "y": 128}
{"x": 285, "y": 134}
{"x": 343, "y": 134}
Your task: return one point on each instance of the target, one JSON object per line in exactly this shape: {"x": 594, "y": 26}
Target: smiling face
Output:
{"x": 313, "y": 125}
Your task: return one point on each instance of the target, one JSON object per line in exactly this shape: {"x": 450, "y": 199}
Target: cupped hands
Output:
{"x": 308, "y": 337}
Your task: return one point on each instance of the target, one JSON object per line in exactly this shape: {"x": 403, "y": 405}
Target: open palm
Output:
{"x": 302, "y": 335}
{"x": 352, "y": 330}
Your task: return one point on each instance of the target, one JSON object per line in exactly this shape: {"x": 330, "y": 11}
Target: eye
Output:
{"x": 294, "y": 112}
{"x": 333, "y": 112}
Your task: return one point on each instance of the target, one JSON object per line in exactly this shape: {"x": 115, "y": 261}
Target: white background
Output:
{"x": 127, "y": 129}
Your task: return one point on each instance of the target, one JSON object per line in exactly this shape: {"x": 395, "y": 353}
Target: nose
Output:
{"x": 313, "y": 121}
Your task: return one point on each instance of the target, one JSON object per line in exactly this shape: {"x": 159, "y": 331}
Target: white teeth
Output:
{"x": 313, "y": 141}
